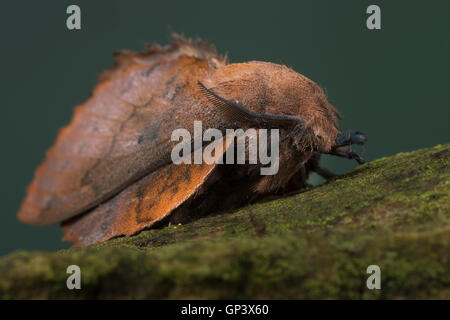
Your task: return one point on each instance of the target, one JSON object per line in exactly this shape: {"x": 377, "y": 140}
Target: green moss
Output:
{"x": 393, "y": 212}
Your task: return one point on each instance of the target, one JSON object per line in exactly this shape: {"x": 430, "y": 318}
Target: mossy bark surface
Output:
{"x": 393, "y": 212}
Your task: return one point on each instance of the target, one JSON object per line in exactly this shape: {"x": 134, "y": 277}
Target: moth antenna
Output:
{"x": 238, "y": 112}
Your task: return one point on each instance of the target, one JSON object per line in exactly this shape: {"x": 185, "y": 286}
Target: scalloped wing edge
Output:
{"x": 179, "y": 46}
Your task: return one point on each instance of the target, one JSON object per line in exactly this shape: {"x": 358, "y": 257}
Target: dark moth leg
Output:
{"x": 342, "y": 148}
{"x": 346, "y": 152}
{"x": 313, "y": 166}
{"x": 304, "y": 175}
{"x": 325, "y": 173}
{"x": 349, "y": 138}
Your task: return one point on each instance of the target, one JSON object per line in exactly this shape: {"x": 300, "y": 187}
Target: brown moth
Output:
{"x": 110, "y": 172}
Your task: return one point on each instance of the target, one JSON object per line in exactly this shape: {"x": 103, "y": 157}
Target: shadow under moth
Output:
{"x": 109, "y": 172}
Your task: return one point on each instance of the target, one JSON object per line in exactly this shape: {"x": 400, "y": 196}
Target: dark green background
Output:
{"x": 391, "y": 84}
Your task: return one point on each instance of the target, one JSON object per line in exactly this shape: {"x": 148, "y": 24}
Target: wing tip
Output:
{"x": 33, "y": 216}
{"x": 28, "y": 217}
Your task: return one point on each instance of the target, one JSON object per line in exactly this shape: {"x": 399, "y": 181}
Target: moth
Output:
{"x": 109, "y": 172}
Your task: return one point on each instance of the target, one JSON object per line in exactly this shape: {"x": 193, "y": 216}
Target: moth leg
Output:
{"x": 349, "y": 138}
{"x": 313, "y": 164}
{"x": 342, "y": 147}
{"x": 325, "y": 173}
{"x": 304, "y": 178}
{"x": 346, "y": 152}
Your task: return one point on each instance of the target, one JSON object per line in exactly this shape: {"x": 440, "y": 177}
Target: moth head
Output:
{"x": 269, "y": 95}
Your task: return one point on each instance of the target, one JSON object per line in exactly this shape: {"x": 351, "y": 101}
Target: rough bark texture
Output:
{"x": 393, "y": 212}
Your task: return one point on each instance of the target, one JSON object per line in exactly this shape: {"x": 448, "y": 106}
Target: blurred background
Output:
{"x": 392, "y": 83}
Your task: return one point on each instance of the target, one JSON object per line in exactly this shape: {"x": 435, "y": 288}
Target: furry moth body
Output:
{"x": 109, "y": 172}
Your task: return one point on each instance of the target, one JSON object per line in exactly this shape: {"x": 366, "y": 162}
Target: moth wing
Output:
{"x": 147, "y": 201}
{"x": 94, "y": 157}
{"x": 116, "y": 137}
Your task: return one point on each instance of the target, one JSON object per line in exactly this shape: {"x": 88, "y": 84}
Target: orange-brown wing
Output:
{"x": 142, "y": 204}
{"x": 120, "y": 134}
